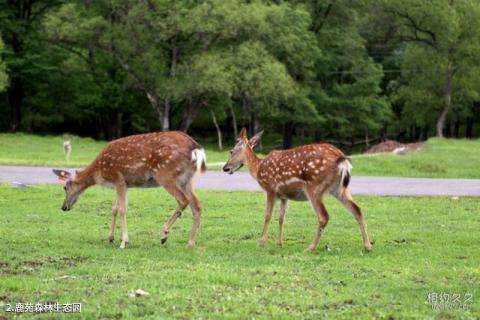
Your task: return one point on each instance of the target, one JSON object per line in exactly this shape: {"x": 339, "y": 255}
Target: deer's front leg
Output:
{"x": 268, "y": 217}
{"x": 121, "y": 189}
{"x": 111, "y": 235}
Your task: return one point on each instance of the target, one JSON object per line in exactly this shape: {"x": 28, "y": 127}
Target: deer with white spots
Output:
{"x": 167, "y": 159}
{"x": 302, "y": 173}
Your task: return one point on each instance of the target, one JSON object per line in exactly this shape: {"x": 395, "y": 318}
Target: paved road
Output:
{"x": 216, "y": 180}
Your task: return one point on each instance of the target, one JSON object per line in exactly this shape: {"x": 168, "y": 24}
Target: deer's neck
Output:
{"x": 251, "y": 161}
{"x": 85, "y": 178}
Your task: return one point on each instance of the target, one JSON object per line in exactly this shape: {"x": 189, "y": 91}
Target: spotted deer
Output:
{"x": 167, "y": 159}
{"x": 302, "y": 173}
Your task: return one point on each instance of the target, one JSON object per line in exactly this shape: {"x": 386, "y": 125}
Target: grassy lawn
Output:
{"x": 441, "y": 158}
{"x": 422, "y": 245}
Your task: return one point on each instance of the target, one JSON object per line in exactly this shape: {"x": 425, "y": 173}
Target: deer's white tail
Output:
{"x": 199, "y": 158}
{"x": 345, "y": 170}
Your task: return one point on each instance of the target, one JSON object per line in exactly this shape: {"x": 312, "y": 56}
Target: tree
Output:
{"x": 347, "y": 90}
{"x": 3, "y": 73}
{"x": 19, "y": 24}
{"x": 442, "y": 43}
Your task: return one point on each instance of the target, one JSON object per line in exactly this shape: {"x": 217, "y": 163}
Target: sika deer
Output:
{"x": 299, "y": 174}
{"x": 168, "y": 159}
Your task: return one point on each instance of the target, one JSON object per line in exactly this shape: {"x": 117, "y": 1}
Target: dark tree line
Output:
{"x": 335, "y": 70}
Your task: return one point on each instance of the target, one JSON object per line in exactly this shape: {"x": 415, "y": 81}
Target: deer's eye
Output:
{"x": 231, "y": 152}
{"x": 65, "y": 188}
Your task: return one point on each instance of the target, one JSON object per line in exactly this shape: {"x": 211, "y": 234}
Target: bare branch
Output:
{"x": 420, "y": 34}
{"x": 320, "y": 25}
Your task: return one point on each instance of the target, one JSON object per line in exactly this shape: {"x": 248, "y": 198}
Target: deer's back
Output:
{"x": 136, "y": 159}
{"x": 287, "y": 172}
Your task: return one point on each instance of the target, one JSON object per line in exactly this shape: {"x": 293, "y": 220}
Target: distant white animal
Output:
{"x": 67, "y": 149}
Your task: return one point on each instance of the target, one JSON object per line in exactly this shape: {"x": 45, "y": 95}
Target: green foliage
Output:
{"x": 438, "y": 34}
{"x": 3, "y": 74}
{"x": 330, "y": 69}
{"x": 349, "y": 95}
{"x": 422, "y": 246}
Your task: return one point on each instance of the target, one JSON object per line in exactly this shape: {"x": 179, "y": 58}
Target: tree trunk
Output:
{"x": 469, "y": 129}
{"x": 188, "y": 114}
{"x": 234, "y": 122}
{"x": 425, "y": 132}
{"x": 166, "y": 115}
{"x": 219, "y": 132}
{"x": 16, "y": 89}
{"x": 161, "y": 110}
{"x": 456, "y": 129}
{"x": 15, "y": 97}
{"x": 448, "y": 128}
{"x": 119, "y": 126}
{"x": 317, "y": 136}
{"x": 447, "y": 101}
{"x": 288, "y": 128}
{"x": 367, "y": 144}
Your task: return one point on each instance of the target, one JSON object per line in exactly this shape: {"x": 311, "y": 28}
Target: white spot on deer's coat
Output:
{"x": 292, "y": 180}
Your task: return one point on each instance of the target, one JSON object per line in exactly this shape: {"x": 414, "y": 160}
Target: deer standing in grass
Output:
{"x": 303, "y": 173}
{"x": 168, "y": 159}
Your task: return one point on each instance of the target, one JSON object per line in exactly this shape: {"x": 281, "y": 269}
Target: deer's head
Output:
{"x": 72, "y": 188}
{"x": 237, "y": 154}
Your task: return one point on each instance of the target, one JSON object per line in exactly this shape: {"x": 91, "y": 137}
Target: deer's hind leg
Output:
{"x": 182, "y": 201}
{"x": 196, "y": 212}
{"x": 315, "y": 196}
{"x": 346, "y": 199}
{"x": 121, "y": 189}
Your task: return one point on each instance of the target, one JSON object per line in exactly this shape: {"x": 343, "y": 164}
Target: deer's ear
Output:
{"x": 62, "y": 174}
{"x": 255, "y": 139}
{"x": 243, "y": 133}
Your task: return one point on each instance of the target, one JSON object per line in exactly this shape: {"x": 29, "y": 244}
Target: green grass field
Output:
{"x": 421, "y": 246}
{"x": 441, "y": 158}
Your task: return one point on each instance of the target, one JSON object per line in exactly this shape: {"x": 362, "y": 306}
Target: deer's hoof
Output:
{"x": 190, "y": 244}
{"x": 368, "y": 248}
{"x": 163, "y": 240}
{"x": 280, "y": 243}
{"x": 261, "y": 242}
{"x": 312, "y": 248}
{"x": 124, "y": 244}
{"x": 111, "y": 238}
